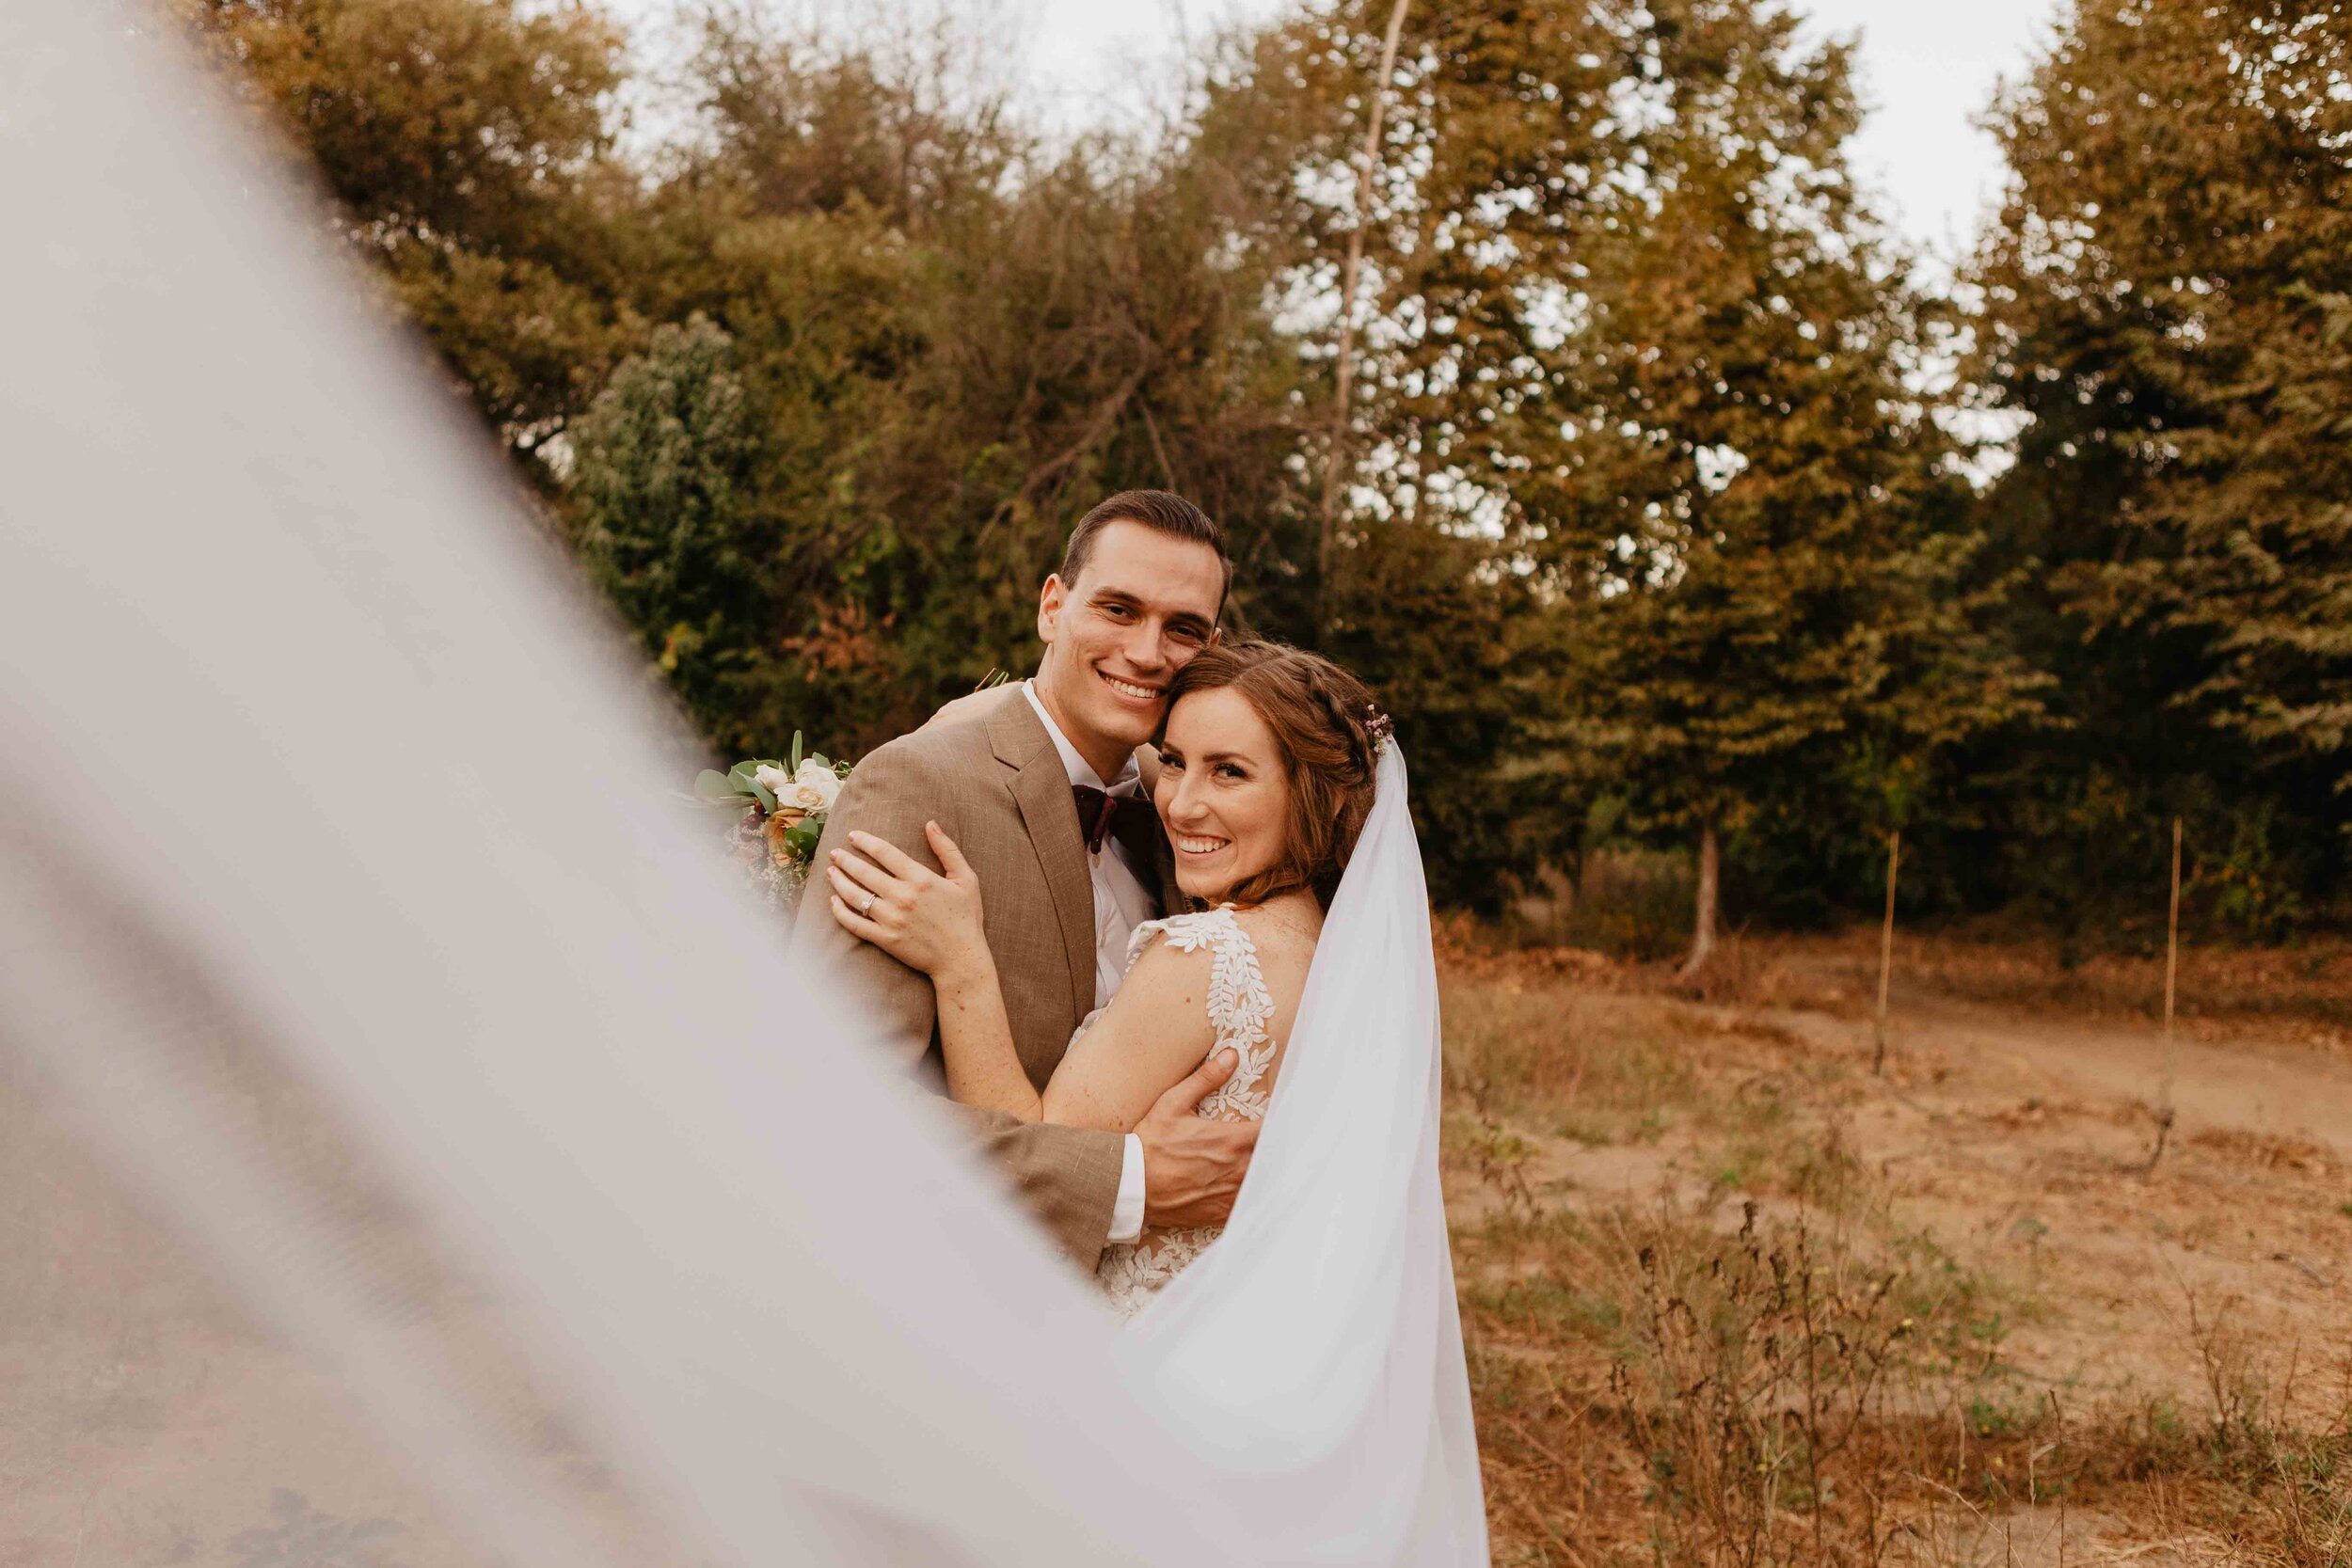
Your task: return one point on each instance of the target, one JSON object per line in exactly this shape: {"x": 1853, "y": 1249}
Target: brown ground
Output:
{"x": 2134, "y": 1335}
{"x": 1964, "y": 1311}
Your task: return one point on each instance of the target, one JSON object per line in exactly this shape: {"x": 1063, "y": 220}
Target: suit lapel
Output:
{"x": 1040, "y": 788}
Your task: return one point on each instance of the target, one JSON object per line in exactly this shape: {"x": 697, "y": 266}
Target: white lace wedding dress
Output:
{"x": 1240, "y": 1010}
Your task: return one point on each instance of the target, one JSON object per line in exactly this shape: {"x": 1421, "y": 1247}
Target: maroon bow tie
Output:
{"x": 1127, "y": 817}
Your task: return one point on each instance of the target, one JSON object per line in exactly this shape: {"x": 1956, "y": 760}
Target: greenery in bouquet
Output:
{"x": 780, "y": 805}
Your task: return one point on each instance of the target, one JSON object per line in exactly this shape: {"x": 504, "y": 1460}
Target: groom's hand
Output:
{"x": 1192, "y": 1167}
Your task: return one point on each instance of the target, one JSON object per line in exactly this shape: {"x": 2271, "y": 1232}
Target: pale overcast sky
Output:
{"x": 1928, "y": 66}
{"x": 1928, "y": 69}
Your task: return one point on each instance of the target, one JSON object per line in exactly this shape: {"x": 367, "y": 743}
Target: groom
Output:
{"x": 1142, "y": 582}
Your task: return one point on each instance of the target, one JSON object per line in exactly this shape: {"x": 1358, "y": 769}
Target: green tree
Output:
{"x": 665, "y": 471}
{"x": 468, "y": 147}
{"x": 1780, "y": 605}
{"x": 2178, "y": 248}
{"x": 1640, "y": 499}
{"x": 1500, "y": 166}
{"x": 955, "y": 340}
{"x": 1634, "y": 362}
{"x": 2166, "y": 296}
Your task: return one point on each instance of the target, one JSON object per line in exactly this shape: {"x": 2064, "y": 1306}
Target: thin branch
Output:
{"x": 2172, "y": 976}
{"x": 1886, "y": 950}
{"x": 1151, "y": 428}
{"x": 1104, "y": 418}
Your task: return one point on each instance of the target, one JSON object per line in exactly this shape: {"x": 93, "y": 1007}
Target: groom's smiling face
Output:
{"x": 1142, "y": 604}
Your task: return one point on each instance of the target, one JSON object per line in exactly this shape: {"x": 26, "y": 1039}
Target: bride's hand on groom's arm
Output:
{"x": 928, "y": 920}
{"x": 1193, "y": 1165}
{"x": 931, "y": 921}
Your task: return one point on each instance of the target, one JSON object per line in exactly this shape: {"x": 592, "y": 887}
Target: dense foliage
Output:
{"x": 2167, "y": 297}
{"x": 1650, "y": 523}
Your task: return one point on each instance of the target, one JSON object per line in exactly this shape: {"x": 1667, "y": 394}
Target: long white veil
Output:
{"x": 1319, "y": 1338}
{"x": 412, "y": 1128}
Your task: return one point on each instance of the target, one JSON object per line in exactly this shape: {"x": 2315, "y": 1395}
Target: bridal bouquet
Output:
{"x": 782, "y": 805}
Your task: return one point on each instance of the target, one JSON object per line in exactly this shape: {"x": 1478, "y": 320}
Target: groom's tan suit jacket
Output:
{"x": 996, "y": 782}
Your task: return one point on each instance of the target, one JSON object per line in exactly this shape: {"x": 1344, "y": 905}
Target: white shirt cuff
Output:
{"x": 1127, "y": 1213}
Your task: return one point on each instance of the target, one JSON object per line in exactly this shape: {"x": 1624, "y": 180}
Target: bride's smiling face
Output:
{"x": 1224, "y": 796}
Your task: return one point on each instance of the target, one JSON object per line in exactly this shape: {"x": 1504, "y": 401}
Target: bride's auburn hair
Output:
{"x": 1323, "y": 723}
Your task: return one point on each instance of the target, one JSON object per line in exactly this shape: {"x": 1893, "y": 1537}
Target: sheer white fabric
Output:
{"x": 1319, "y": 1338}
{"x": 346, "y": 923}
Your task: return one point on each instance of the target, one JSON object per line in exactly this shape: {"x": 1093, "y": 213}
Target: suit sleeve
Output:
{"x": 1067, "y": 1176}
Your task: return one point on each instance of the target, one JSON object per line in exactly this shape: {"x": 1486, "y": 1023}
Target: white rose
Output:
{"x": 775, "y": 781}
{"x": 814, "y": 787}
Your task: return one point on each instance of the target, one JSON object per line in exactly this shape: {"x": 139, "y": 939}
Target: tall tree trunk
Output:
{"x": 1335, "y": 463}
{"x": 1702, "y": 925}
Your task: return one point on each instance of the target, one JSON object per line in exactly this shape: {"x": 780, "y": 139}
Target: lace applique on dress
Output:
{"x": 1240, "y": 1010}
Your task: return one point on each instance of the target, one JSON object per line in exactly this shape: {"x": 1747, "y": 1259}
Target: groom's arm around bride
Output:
{"x": 1069, "y": 1176}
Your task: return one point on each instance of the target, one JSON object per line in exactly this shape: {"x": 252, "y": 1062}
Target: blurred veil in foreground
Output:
{"x": 412, "y": 1152}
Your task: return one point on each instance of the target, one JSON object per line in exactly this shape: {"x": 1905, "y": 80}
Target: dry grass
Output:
{"x": 2301, "y": 994}
{"x": 1715, "y": 1318}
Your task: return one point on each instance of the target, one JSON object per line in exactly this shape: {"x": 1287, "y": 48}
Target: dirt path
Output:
{"x": 2107, "y": 1313}
{"x": 2249, "y": 1084}
{"x": 2022, "y": 1138}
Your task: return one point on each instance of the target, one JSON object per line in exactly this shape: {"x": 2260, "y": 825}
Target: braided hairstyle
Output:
{"x": 1328, "y": 731}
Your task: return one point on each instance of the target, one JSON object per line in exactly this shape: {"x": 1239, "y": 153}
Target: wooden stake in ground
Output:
{"x": 1887, "y": 948}
{"x": 1336, "y": 463}
{"x": 2171, "y": 978}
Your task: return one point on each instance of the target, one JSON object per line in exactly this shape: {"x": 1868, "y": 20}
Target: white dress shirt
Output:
{"x": 1121, "y": 903}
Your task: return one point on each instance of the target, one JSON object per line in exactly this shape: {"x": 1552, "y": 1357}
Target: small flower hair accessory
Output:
{"x": 1379, "y": 727}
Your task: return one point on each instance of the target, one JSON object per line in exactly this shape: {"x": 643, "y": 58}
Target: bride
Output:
{"x": 1269, "y": 763}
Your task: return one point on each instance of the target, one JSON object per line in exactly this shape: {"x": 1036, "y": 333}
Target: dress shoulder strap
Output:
{"x": 1215, "y": 929}
{"x": 1241, "y": 1008}
{"x": 1184, "y": 932}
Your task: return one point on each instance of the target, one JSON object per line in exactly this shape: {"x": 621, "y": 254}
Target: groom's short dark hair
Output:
{"x": 1157, "y": 509}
